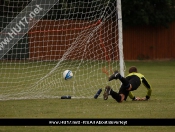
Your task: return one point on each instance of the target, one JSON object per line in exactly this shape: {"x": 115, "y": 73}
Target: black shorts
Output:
{"x": 134, "y": 81}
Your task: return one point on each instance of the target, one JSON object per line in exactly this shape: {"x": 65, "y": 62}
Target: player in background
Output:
{"x": 129, "y": 83}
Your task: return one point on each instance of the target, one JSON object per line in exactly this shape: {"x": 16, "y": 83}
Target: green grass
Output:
{"x": 159, "y": 73}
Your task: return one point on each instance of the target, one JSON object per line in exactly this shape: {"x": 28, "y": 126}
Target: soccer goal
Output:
{"x": 82, "y": 36}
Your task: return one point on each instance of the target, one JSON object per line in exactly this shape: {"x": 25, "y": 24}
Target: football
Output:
{"x": 67, "y": 74}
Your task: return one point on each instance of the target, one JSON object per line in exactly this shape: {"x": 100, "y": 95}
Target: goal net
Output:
{"x": 81, "y": 36}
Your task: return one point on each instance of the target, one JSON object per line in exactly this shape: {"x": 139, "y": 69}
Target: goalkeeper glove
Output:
{"x": 141, "y": 99}
{"x": 135, "y": 98}
{"x": 145, "y": 98}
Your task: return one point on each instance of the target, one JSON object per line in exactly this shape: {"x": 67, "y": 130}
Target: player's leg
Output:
{"x": 124, "y": 81}
{"x": 119, "y": 97}
{"x": 124, "y": 91}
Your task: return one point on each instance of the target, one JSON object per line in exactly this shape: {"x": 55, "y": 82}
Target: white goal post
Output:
{"x": 82, "y": 36}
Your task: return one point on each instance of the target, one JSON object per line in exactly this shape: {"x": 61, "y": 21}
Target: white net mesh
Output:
{"x": 75, "y": 35}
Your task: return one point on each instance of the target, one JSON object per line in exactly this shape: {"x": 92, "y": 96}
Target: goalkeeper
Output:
{"x": 130, "y": 83}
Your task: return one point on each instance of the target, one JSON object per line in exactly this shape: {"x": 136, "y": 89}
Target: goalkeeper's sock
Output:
{"x": 115, "y": 95}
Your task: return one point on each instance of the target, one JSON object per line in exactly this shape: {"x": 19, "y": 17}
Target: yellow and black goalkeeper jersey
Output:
{"x": 144, "y": 82}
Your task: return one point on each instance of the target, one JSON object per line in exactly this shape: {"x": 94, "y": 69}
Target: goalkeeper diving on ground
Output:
{"x": 129, "y": 83}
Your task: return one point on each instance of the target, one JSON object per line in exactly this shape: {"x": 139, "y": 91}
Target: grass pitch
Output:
{"x": 160, "y": 74}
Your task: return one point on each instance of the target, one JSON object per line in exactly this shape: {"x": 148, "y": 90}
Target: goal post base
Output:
{"x": 66, "y": 97}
